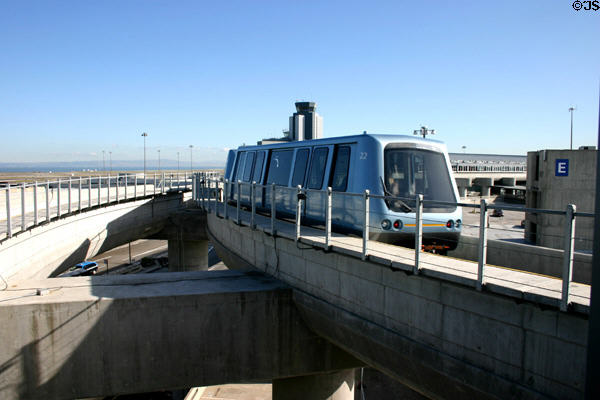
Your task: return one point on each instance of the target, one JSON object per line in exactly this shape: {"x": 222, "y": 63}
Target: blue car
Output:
{"x": 82, "y": 269}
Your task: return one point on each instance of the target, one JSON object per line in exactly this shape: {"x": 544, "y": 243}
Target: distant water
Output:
{"x": 76, "y": 167}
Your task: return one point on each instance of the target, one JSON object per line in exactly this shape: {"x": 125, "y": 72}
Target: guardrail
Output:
{"x": 467, "y": 167}
{"x": 40, "y": 202}
{"x": 209, "y": 192}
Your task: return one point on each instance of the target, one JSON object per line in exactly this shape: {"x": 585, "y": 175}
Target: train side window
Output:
{"x": 317, "y": 168}
{"x": 240, "y": 167}
{"x": 339, "y": 176}
{"x": 248, "y": 167}
{"x": 280, "y": 167}
{"x": 300, "y": 167}
{"x": 258, "y": 166}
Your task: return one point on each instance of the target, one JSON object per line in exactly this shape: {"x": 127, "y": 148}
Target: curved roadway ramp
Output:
{"x": 432, "y": 331}
{"x": 106, "y": 335}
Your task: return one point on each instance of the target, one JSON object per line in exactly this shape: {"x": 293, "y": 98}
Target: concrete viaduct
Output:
{"x": 294, "y": 312}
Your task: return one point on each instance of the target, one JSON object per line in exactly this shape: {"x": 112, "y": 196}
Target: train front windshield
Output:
{"x": 409, "y": 172}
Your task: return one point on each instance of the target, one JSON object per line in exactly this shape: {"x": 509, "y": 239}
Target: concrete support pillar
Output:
{"x": 509, "y": 181}
{"x": 463, "y": 184}
{"x": 330, "y": 386}
{"x": 188, "y": 255}
{"x": 485, "y": 184}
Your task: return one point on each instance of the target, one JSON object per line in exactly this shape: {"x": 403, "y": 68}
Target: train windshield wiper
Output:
{"x": 405, "y": 207}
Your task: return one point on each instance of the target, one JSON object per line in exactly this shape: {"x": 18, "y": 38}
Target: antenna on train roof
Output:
{"x": 424, "y": 131}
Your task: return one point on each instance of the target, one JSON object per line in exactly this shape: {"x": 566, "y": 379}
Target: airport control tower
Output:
{"x": 306, "y": 124}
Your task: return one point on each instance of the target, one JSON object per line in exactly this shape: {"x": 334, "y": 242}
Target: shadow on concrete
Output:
{"x": 162, "y": 331}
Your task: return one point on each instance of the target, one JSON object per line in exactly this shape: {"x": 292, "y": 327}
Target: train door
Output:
{"x": 316, "y": 202}
{"x": 257, "y": 175}
{"x": 237, "y": 174}
{"x": 299, "y": 174}
{"x": 278, "y": 172}
{"x": 245, "y": 188}
{"x": 345, "y": 210}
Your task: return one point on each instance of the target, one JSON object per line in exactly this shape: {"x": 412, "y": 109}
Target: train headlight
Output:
{"x": 450, "y": 224}
{"x": 458, "y": 223}
{"x": 398, "y": 224}
{"x": 385, "y": 224}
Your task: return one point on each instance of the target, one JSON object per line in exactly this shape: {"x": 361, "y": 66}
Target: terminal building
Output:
{"x": 555, "y": 179}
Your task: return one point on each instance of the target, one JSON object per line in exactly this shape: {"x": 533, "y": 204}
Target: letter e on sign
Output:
{"x": 562, "y": 167}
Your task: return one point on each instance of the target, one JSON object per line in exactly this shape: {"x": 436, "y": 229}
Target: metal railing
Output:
{"x": 29, "y": 204}
{"x": 474, "y": 167}
{"x": 217, "y": 191}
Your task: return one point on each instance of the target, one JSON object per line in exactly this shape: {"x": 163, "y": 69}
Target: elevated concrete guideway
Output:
{"x": 432, "y": 331}
{"x": 106, "y": 335}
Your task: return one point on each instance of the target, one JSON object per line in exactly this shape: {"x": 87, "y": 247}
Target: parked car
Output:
{"x": 82, "y": 269}
{"x": 498, "y": 212}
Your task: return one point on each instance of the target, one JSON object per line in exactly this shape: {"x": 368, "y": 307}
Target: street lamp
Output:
{"x": 191, "y": 169}
{"x": 103, "y": 160}
{"x": 464, "y": 148}
{"x": 145, "y": 135}
{"x": 424, "y": 131}
{"x": 158, "y": 159}
{"x": 571, "y": 109}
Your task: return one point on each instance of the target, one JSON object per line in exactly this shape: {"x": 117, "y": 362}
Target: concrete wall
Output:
{"x": 439, "y": 338}
{"x": 109, "y": 335}
{"x": 524, "y": 257}
{"x": 548, "y": 191}
{"x": 49, "y": 249}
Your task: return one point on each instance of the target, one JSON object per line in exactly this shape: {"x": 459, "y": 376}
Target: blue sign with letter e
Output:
{"x": 562, "y": 167}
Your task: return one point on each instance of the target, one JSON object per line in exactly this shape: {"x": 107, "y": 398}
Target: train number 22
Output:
{"x": 363, "y": 155}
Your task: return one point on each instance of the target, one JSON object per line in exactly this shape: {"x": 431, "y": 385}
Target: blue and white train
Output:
{"x": 387, "y": 165}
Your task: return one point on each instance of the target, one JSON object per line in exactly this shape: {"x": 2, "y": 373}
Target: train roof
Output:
{"x": 383, "y": 139}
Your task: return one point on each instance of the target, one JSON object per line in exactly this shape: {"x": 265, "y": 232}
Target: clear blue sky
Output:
{"x": 79, "y": 77}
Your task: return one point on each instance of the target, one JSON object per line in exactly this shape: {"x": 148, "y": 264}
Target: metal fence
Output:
{"x": 210, "y": 193}
{"x": 34, "y": 203}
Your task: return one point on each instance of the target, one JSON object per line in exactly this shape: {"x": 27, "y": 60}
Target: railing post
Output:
{"x": 328, "y": 219}
{"x": 365, "y": 225}
{"x": 567, "y": 273}
{"x": 35, "y": 203}
{"x": 134, "y": 186}
{"x": 90, "y": 191}
{"x": 117, "y": 186}
{"x": 145, "y": 185}
{"x": 154, "y": 183}
{"x": 226, "y": 196}
{"x": 170, "y": 181}
{"x": 253, "y": 202}
{"x": 99, "y": 189}
{"x": 79, "y": 194}
{"x": 418, "y": 232}
{"x": 298, "y": 211}
{"x": 239, "y": 184}
{"x": 483, "y": 235}
{"x": 108, "y": 185}
{"x": 162, "y": 184}
{"x": 47, "y": 201}
{"x": 23, "y": 224}
{"x": 202, "y": 182}
{"x": 125, "y": 186}
{"x": 8, "y": 222}
{"x": 58, "y": 199}
{"x": 273, "y": 209}
{"x": 69, "y": 195}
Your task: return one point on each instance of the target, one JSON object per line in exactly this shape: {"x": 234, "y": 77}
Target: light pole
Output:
{"x": 110, "y": 160}
{"x": 158, "y": 159}
{"x": 464, "y": 148}
{"x": 424, "y": 131}
{"x": 571, "y": 109}
{"x": 103, "y": 161}
{"x": 145, "y": 135}
{"x": 191, "y": 168}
